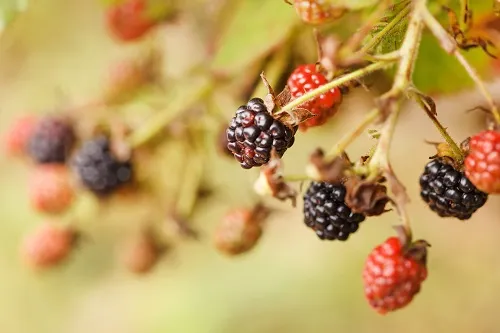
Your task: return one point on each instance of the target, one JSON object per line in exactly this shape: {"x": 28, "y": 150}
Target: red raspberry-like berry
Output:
{"x": 393, "y": 274}
{"x": 305, "y": 78}
{"x": 317, "y": 11}
{"x": 50, "y": 188}
{"x": 128, "y": 20}
{"x": 48, "y": 246}
{"x": 18, "y": 135}
{"x": 482, "y": 165}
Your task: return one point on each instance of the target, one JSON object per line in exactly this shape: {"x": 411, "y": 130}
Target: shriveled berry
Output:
{"x": 143, "y": 253}
{"x": 48, "y": 246}
{"x": 305, "y": 78}
{"x": 99, "y": 169}
{"x": 18, "y": 135}
{"x": 393, "y": 274}
{"x": 326, "y": 212}
{"x": 253, "y": 133}
{"x": 482, "y": 164}
{"x": 50, "y": 188}
{"x": 238, "y": 232}
{"x": 52, "y": 140}
{"x": 449, "y": 192}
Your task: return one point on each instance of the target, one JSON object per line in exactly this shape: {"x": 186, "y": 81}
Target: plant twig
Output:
{"x": 390, "y": 103}
{"x": 178, "y": 103}
{"x": 348, "y": 138}
{"x": 450, "y": 46}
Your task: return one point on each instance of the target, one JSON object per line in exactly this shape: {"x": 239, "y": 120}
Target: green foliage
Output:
{"x": 393, "y": 39}
{"x": 8, "y": 11}
{"x": 256, "y": 28}
{"x": 438, "y": 72}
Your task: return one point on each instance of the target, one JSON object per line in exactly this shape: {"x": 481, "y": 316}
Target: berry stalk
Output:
{"x": 450, "y": 46}
{"x": 457, "y": 152}
{"x": 390, "y": 104}
{"x": 178, "y": 103}
{"x": 348, "y": 138}
{"x": 335, "y": 83}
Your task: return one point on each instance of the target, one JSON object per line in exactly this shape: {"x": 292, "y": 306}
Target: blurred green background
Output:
{"x": 58, "y": 50}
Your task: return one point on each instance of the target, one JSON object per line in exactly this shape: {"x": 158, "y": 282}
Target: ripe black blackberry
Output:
{"x": 326, "y": 212}
{"x": 254, "y": 132}
{"x": 98, "y": 169}
{"x": 448, "y": 192}
{"x": 51, "y": 140}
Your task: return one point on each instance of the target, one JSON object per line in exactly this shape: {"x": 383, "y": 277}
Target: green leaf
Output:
{"x": 394, "y": 38}
{"x": 8, "y": 11}
{"x": 256, "y": 28}
{"x": 438, "y": 72}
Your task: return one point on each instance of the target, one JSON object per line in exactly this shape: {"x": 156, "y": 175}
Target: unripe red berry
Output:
{"x": 18, "y": 135}
{"x": 50, "y": 188}
{"x": 305, "y": 78}
{"x": 482, "y": 164}
{"x": 393, "y": 274}
{"x": 129, "y": 20}
{"x": 48, "y": 246}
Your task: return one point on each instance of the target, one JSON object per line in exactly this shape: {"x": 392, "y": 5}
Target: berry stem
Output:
{"x": 390, "y": 104}
{"x": 457, "y": 152}
{"x": 188, "y": 194}
{"x": 348, "y": 138}
{"x": 296, "y": 178}
{"x": 178, "y": 102}
{"x": 372, "y": 43}
{"x": 450, "y": 46}
{"x": 335, "y": 83}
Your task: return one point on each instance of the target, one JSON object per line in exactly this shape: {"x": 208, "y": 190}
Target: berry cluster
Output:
{"x": 341, "y": 194}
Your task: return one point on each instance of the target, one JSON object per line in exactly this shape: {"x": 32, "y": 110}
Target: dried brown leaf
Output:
{"x": 271, "y": 181}
{"x": 366, "y": 197}
{"x": 331, "y": 171}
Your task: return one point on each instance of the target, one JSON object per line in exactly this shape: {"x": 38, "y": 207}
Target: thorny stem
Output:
{"x": 391, "y": 103}
{"x": 450, "y": 46}
{"x": 381, "y": 34}
{"x": 335, "y": 83}
{"x": 457, "y": 152}
{"x": 348, "y": 138}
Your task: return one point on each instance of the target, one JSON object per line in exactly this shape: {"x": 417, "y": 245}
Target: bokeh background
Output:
{"x": 56, "y": 52}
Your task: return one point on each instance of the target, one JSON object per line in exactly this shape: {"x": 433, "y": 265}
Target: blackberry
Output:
{"x": 326, "y": 212}
{"x": 449, "y": 192}
{"x": 98, "y": 169}
{"x": 51, "y": 140}
{"x": 253, "y": 133}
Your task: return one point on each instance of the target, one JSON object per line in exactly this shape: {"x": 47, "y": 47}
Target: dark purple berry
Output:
{"x": 253, "y": 133}
{"x": 326, "y": 212}
{"x": 448, "y": 192}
